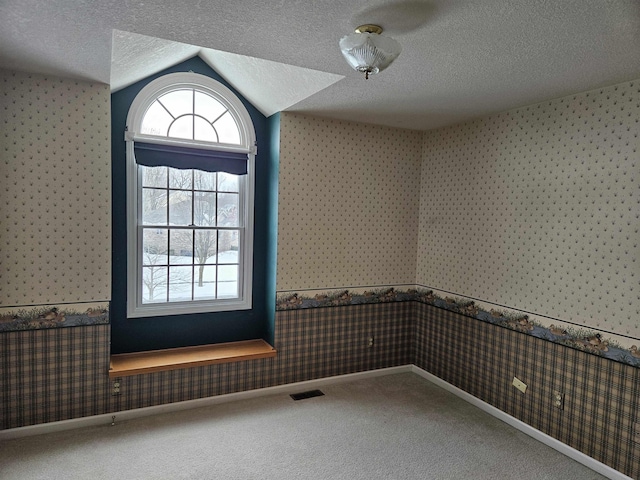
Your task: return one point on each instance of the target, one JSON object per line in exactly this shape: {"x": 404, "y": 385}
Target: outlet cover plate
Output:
{"x": 519, "y": 384}
{"x": 558, "y": 400}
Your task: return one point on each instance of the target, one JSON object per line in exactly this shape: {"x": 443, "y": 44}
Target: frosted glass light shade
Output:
{"x": 369, "y": 52}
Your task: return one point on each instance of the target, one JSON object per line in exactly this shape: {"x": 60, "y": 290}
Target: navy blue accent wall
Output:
{"x": 140, "y": 334}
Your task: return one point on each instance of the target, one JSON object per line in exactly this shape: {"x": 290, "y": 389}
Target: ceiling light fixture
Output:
{"x": 367, "y": 51}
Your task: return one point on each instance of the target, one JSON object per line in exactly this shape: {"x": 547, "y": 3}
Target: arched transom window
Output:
{"x": 190, "y": 154}
{"x": 191, "y": 114}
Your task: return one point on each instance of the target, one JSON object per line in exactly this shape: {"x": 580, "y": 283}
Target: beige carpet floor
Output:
{"x": 392, "y": 427}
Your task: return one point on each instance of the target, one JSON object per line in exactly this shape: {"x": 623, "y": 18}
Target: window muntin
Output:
{"x": 190, "y": 231}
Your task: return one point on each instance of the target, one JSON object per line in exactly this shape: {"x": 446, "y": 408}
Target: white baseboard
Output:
{"x": 563, "y": 448}
{"x": 107, "y": 418}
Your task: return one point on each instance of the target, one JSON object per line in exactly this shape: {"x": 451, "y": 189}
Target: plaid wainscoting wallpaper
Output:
{"x": 53, "y": 374}
{"x": 313, "y": 343}
{"x": 601, "y": 397}
{"x": 57, "y": 374}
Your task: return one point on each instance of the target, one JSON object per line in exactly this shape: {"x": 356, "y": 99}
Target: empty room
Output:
{"x": 336, "y": 239}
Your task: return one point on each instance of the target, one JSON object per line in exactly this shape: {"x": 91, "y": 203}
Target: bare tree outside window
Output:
{"x": 154, "y": 282}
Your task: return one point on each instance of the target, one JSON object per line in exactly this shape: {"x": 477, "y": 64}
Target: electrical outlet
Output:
{"x": 115, "y": 390}
{"x": 519, "y": 384}
{"x": 635, "y": 434}
{"x": 558, "y": 400}
{"x": 370, "y": 342}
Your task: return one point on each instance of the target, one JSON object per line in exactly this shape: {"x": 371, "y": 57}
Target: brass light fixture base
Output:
{"x": 369, "y": 28}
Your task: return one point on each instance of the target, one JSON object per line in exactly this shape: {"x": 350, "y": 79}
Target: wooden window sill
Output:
{"x": 127, "y": 364}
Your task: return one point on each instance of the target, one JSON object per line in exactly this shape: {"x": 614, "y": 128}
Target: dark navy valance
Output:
{"x": 155, "y": 155}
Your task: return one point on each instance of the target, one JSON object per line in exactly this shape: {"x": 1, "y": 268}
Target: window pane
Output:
{"x": 228, "y": 209}
{"x": 228, "y": 245}
{"x": 154, "y": 284}
{"x": 180, "y": 283}
{"x": 204, "y": 287}
{"x": 178, "y": 102}
{"x": 182, "y": 128}
{"x": 227, "y": 129}
{"x": 180, "y": 179}
{"x": 155, "y": 246}
{"x": 228, "y": 182}
{"x": 181, "y": 247}
{"x": 227, "y": 281}
{"x": 153, "y": 176}
{"x": 204, "y": 180}
{"x": 156, "y": 121}
{"x": 205, "y": 246}
{"x": 202, "y": 130}
{"x": 208, "y": 107}
{"x": 154, "y": 206}
{"x": 180, "y": 207}
{"x": 204, "y": 214}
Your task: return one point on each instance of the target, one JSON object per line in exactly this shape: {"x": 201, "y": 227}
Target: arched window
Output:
{"x": 190, "y": 185}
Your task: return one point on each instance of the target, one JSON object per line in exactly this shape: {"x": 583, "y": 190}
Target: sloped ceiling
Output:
{"x": 260, "y": 81}
{"x": 460, "y": 60}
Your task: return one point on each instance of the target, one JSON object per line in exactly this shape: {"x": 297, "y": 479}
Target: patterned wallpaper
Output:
{"x": 58, "y": 374}
{"x": 56, "y": 181}
{"x": 600, "y": 398}
{"x": 534, "y": 209}
{"x": 347, "y": 205}
{"x": 538, "y": 208}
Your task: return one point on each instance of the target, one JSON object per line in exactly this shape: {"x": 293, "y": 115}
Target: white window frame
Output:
{"x": 153, "y": 90}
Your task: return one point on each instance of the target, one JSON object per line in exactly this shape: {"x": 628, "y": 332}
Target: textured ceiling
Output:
{"x": 460, "y": 60}
{"x": 270, "y": 86}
